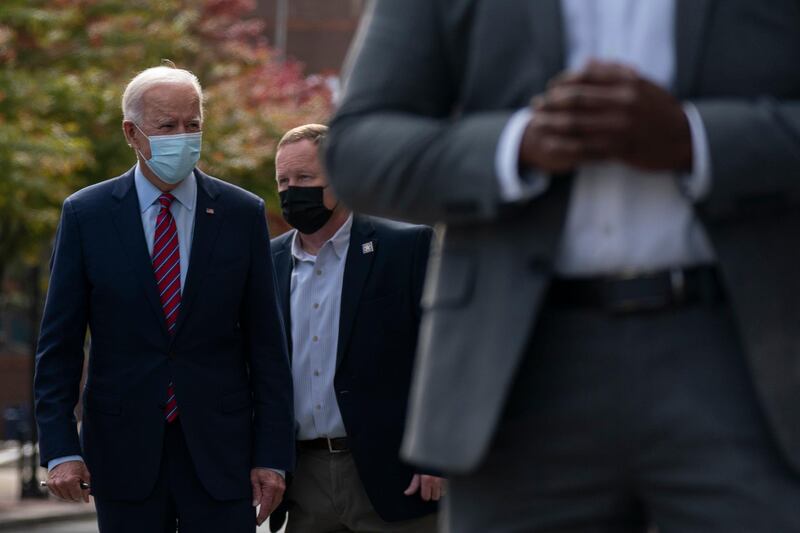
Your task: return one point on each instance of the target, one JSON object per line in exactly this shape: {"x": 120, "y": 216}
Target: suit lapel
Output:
{"x": 127, "y": 217}
{"x": 358, "y": 265}
{"x": 284, "y": 264}
{"x": 691, "y": 21}
{"x": 548, "y": 33}
{"x": 208, "y": 218}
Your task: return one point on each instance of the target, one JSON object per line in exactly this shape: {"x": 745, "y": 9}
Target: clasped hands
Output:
{"x": 606, "y": 112}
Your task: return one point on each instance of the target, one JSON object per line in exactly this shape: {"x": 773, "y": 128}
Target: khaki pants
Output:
{"x": 328, "y": 497}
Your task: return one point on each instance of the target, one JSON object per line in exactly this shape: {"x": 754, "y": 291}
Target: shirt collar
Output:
{"x": 340, "y": 242}
{"x": 185, "y": 193}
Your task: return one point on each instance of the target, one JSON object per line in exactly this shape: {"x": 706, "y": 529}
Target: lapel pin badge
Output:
{"x": 367, "y": 248}
{"x": 209, "y": 211}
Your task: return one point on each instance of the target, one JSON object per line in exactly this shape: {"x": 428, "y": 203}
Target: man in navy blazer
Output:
{"x": 187, "y": 408}
{"x": 350, "y": 288}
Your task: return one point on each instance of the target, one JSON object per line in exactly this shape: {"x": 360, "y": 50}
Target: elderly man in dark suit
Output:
{"x": 610, "y": 333}
{"x": 187, "y": 409}
{"x": 350, "y": 287}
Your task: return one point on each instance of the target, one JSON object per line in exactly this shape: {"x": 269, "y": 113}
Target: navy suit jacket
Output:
{"x": 378, "y": 329}
{"x": 227, "y": 358}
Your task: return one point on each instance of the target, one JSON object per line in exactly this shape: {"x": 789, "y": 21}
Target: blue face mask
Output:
{"x": 172, "y": 157}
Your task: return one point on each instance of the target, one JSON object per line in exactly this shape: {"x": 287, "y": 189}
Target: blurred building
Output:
{"x": 315, "y": 32}
{"x": 15, "y": 366}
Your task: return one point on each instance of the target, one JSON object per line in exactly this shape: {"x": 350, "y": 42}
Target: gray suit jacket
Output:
{"x": 433, "y": 84}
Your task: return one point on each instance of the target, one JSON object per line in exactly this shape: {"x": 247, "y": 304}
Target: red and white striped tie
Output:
{"x": 167, "y": 267}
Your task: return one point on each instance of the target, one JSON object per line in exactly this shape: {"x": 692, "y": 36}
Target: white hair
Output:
{"x": 132, "y": 105}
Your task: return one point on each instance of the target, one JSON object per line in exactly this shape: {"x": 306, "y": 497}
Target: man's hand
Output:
{"x": 429, "y": 487}
{"x": 547, "y": 147}
{"x": 268, "y": 489}
{"x": 607, "y": 112}
{"x": 64, "y": 481}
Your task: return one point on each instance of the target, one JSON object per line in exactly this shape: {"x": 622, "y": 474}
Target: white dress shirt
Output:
{"x": 315, "y": 305}
{"x": 620, "y": 219}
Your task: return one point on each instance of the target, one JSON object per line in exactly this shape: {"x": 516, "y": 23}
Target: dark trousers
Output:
{"x": 178, "y": 500}
{"x": 617, "y": 423}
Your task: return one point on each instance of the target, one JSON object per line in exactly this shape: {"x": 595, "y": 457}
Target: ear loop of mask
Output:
{"x": 135, "y": 125}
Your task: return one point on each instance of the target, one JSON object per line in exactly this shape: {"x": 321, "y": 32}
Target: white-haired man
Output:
{"x": 187, "y": 408}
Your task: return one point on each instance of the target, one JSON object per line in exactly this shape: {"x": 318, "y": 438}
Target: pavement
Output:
{"x": 22, "y": 515}
{"x": 77, "y": 526}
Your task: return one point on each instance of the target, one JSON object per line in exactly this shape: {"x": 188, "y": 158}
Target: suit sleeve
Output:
{"x": 60, "y": 353}
{"x": 755, "y": 153}
{"x": 270, "y": 374}
{"x": 422, "y": 249}
{"x": 419, "y": 268}
{"x": 397, "y": 147}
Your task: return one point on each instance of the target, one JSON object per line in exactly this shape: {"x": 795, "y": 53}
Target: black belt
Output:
{"x": 337, "y": 445}
{"x": 645, "y": 292}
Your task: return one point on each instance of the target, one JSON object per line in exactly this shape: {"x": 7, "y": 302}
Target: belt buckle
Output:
{"x": 637, "y": 304}
{"x": 330, "y": 446}
{"x": 622, "y": 305}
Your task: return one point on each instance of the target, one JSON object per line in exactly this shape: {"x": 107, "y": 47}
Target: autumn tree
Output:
{"x": 64, "y": 64}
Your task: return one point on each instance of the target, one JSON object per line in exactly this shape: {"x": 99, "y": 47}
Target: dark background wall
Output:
{"x": 318, "y": 31}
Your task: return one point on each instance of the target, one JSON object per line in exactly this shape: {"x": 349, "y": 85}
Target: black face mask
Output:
{"x": 303, "y": 209}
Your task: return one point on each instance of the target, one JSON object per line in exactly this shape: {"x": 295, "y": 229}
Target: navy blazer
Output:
{"x": 378, "y": 327}
{"x": 228, "y": 356}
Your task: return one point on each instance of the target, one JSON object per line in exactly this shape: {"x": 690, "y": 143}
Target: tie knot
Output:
{"x": 166, "y": 200}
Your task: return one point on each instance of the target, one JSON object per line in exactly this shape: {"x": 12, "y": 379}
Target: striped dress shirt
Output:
{"x": 316, "y": 297}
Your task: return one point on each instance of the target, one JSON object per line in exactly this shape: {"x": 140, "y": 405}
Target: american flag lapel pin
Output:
{"x": 367, "y": 248}
{"x": 209, "y": 210}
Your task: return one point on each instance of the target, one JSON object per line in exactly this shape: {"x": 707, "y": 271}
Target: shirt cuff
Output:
{"x": 513, "y": 187}
{"x": 278, "y": 471}
{"x": 697, "y": 184}
{"x": 59, "y": 460}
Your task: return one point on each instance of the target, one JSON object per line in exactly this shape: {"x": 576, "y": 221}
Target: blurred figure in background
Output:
{"x": 610, "y": 330}
{"x": 350, "y": 288}
{"x": 187, "y": 409}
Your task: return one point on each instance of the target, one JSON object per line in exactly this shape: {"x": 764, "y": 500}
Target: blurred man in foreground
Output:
{"x": 187, "y": 409}
{"x": 610, "y": 332}
{"x": 350, "y": 287}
